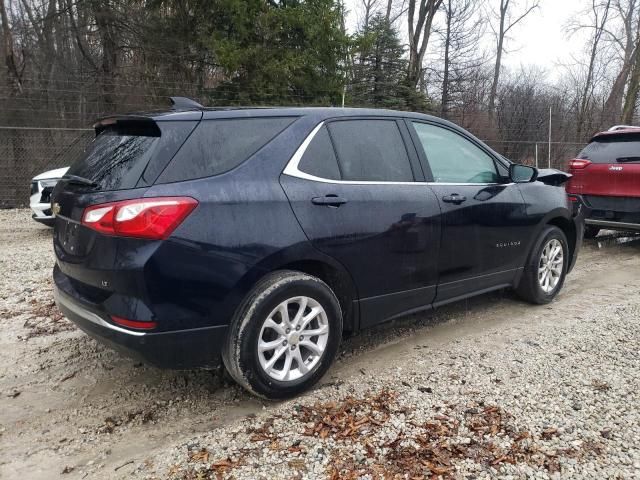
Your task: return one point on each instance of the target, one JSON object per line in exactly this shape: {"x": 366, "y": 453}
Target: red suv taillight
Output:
{"x": 578, "y": 164}
{"x": 152, "y": 218}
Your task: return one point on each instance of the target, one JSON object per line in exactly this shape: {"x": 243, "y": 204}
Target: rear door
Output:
{"x": 484, "y": 222}
{"x": 353, "y": 188}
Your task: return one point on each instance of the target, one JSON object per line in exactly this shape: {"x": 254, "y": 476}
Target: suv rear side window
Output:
{"x": 119, "y": 155}
{"x": 453, "y": 158}
{"x": 217, "y": 146}
{"x": 618, "y": 149}
{"x": 319, "y": 158}
{"x": 371, "y": 150}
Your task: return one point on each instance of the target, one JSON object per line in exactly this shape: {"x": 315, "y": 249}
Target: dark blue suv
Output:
{"x": 258, "y": 236}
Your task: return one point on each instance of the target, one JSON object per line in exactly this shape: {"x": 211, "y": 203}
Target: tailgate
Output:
{"x": 607, "y": 179}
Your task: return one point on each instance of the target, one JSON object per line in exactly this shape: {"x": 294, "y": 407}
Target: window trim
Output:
{"x": 292, "y": 170}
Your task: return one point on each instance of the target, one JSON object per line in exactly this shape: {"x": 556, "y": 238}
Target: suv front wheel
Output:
{"x": 546, "y": 267}
{"x": 284, "y": 335}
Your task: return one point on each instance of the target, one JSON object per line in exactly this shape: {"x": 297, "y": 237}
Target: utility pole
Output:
{"x": 344, "y": 91}
{"x": 549, "y": 137}
{"x": 536, "y": 155}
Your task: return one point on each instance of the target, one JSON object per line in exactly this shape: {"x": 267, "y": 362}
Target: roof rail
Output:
{"x": 621, "y": 127}
{"x": 184, "y": 102}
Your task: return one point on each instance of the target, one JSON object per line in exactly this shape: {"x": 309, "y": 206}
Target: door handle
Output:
{"x": 329, "y": 201}
{"x": 454, "y": 198}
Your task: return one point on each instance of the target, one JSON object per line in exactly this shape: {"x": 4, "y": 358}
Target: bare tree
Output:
{"x": 627, "y": 40}
{"x": 600, "y": 12}
{"x": 633, "y": 91}
{"x": 419, "y": 33}
{"x": 506, "y": 21}
{"x": 369, "y": 9}
{"x": 460, "y": 39}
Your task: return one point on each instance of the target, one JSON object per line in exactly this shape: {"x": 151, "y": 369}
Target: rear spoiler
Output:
{"x": 551, "y": 176}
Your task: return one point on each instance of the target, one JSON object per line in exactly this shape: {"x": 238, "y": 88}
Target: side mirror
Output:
{"x": 522, "y": 173}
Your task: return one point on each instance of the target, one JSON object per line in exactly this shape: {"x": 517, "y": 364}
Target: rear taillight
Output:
{"x": 578, "y": 163}
{"x": 151, "y": 218}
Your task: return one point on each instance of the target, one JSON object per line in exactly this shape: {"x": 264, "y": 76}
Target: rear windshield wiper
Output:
{"x": 80, "y": 180}
{"x": 627, "y": 159}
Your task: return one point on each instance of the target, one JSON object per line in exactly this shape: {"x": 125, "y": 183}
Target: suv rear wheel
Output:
{"x": 284, "y": 335}
{"x": 546, "y": 268}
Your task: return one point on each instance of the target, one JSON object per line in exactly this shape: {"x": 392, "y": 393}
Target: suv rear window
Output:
{"x": 123, "y": 153}
{"x": 615, "y": 149}
{"x": 217, "y": 146}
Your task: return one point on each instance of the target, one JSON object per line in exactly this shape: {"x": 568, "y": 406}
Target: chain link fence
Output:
{"x": 28, "y": 151}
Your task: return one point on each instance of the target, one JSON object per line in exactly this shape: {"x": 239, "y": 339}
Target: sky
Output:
{"x": 540, "y": 39}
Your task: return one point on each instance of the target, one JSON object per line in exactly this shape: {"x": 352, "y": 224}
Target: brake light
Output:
{"x": 578, "y": 164}
{"x": 141, "y": 325}
{"x": 151, "y": 218}
{"x": 573, "y": 198}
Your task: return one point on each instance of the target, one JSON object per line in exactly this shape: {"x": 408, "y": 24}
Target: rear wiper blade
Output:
{"x": 627, "y": 159}
{"x": 80, "y": 180}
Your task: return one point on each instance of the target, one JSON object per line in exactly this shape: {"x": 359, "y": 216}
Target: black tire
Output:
{"x": 590, "y": 231}
{"x": 529, "y": 288}
{"x": 240, "y": 351}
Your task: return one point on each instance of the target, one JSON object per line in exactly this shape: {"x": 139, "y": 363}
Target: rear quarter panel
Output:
{"x": 242, "y": 228}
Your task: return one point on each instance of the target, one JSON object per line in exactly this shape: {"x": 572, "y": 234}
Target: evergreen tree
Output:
{"x": 289, "y": 51}
{"x": 380, "y": 70}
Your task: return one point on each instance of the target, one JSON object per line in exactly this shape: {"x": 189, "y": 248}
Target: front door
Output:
{"x": 354, "y": 193}
{"x": 484, "y": 219}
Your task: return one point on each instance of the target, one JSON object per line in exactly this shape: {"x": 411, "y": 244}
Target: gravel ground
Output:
{"x": 488, "y": 388}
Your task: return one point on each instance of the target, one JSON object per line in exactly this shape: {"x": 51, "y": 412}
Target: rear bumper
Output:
{"x": 615, "y": 213}
{"x": 612, "y": 225}
{"x": 181, "y": 349}
{"x": 48, "y": 221}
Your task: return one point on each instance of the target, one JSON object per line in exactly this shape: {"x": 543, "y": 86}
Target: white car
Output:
{"x": 40, "y": 200}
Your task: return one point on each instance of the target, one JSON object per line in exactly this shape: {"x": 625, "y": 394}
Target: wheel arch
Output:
{"x": 568, "y": 228}
{"x": 312, "y": 262}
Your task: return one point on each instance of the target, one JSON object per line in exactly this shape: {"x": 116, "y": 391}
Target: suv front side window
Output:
{"x": 453, "y": 158}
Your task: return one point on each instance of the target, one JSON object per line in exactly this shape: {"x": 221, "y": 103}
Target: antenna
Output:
{"x": 183, "y": 103}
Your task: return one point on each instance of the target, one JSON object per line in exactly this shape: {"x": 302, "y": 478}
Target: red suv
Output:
{"x": 606, "y": 178}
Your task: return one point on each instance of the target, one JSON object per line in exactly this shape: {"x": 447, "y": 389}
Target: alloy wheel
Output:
{"x": 293, "y": 339}
{"x": 551, "y": 265}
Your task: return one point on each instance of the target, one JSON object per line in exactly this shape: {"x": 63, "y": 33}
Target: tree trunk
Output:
{"x": 612, "y": 109}
{"x": 419, "y": 36}
{"x": 444, "y": 104}
{"x": 9, "y": 58}
{"x": 588, "y": 87}
{"x": 631, "y": 100}
{"x": 104, "y": 21}
{"x": 504, "y": 5}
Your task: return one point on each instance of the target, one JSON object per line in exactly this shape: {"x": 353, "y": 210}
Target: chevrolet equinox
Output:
{"x": 256, "y": 237}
